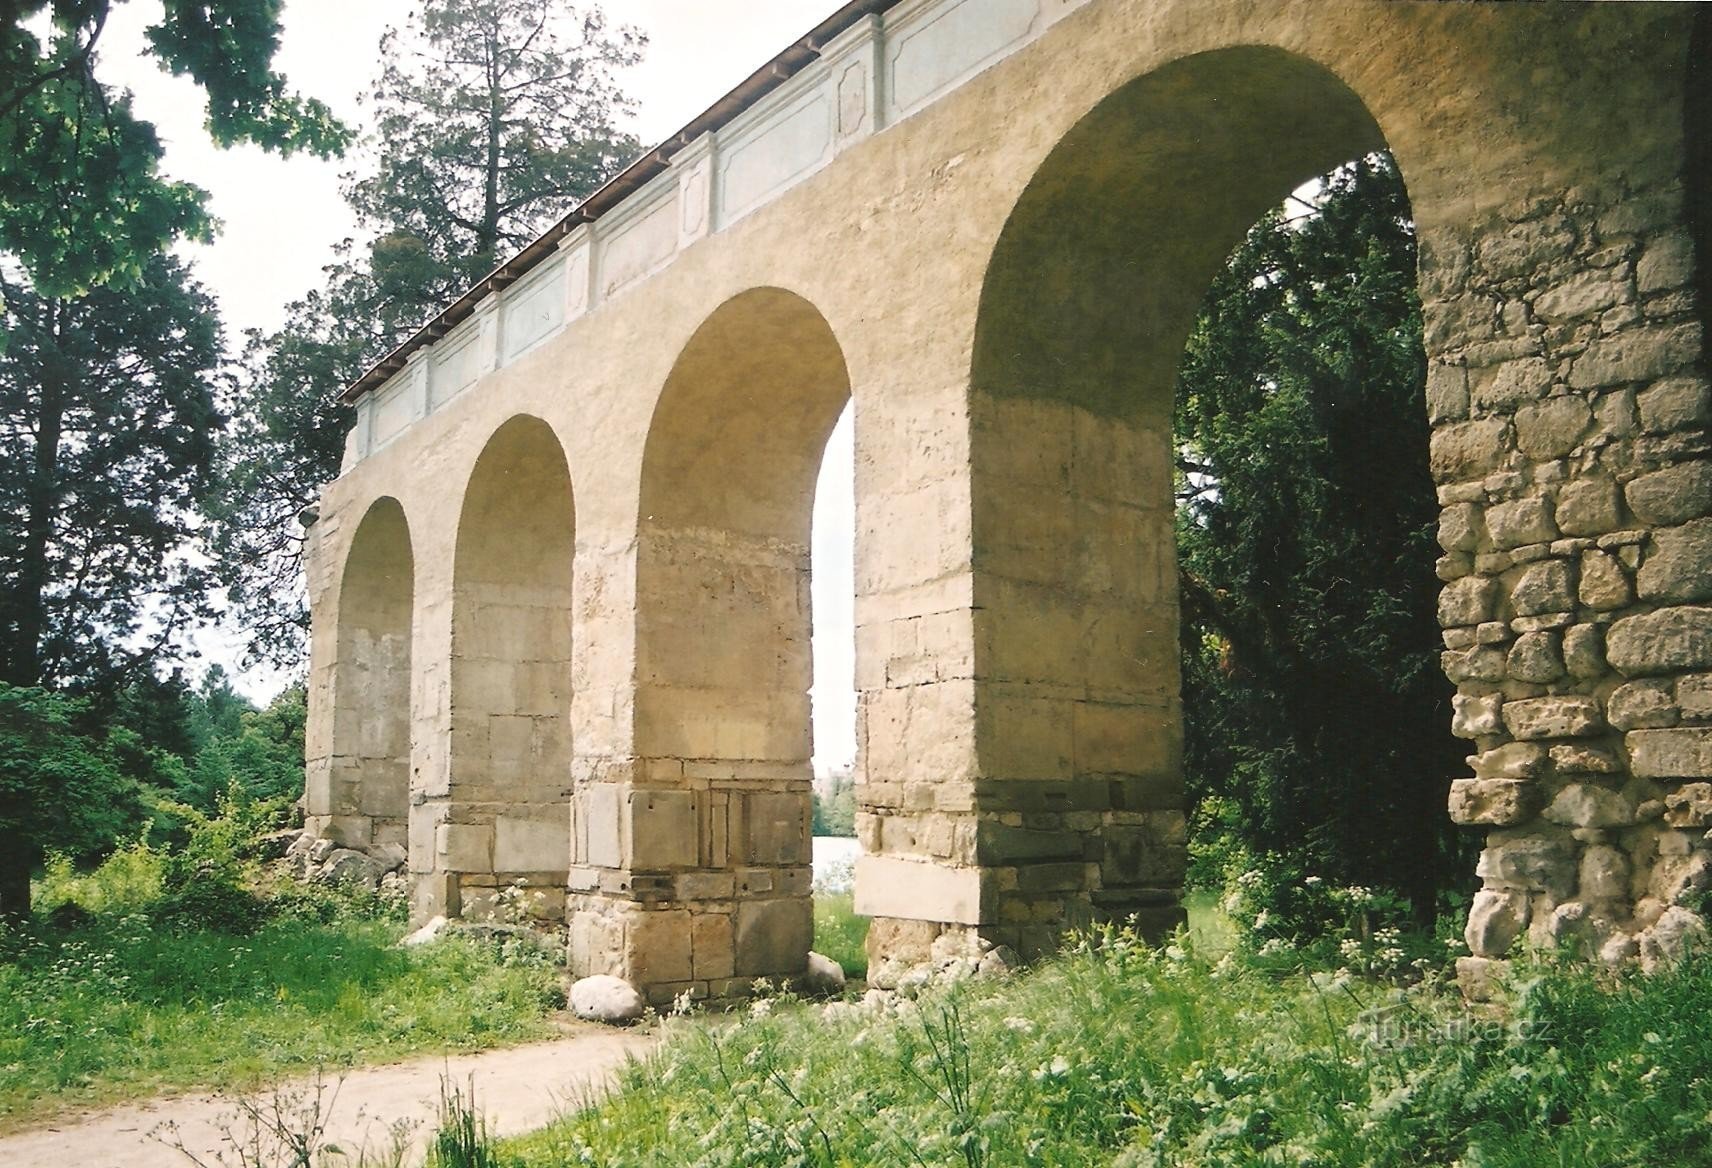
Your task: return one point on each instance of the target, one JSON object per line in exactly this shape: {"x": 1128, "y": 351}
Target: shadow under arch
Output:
{"x": 359, "y": 795}
{"x": 502, "y": 815}
{"x": 723, "y": 657}
{"x": 1092, "y": 288}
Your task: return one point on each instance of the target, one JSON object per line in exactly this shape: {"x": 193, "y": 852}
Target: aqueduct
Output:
{"x": 560, "y": 588}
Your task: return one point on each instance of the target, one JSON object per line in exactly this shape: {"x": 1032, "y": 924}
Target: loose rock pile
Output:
{"x": 319, "y": 860}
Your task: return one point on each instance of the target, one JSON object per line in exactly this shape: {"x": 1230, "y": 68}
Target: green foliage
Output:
{"x": 1118, "y": 1053}
{"x": 209, "y": 882}
{"x": 106, "y": 452}
{"x": 839, "y": 933}
{"x": 83, "y": 203}
{"x": 461, "y": 1138}
{"x": 59, "y": 788}
{"x": 130, "y": 880}
{"x": 835, "y": 811}
{"x": 491, "y": 117}
{"x": 1317, "y": 715}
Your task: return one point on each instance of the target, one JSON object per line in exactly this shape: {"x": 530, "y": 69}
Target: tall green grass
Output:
{"x": 839, "y": 933}
{"x": 1125, "y": 1055}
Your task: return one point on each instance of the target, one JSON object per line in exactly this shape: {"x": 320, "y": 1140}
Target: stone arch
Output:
{"x": 1092, "y": 287}
{"x": 504, "y": 815}
{"x": 362, "y": 798}
{"x": 717, "y": 812}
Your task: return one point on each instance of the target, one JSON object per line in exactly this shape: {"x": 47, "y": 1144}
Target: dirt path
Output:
{"x": 517, "y": 1089}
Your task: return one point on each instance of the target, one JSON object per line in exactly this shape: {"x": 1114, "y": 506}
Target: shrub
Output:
{"x": 128, "y": 880}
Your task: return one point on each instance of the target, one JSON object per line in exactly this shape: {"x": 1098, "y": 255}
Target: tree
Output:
{"x": 83, "y": 202}
{"x": 1315, "y": 705}
{"x": 493, "y": 115}
{"x": 60, "y": 788}
{"x": 107, "y": 422}
{"x": 491, "y": 118}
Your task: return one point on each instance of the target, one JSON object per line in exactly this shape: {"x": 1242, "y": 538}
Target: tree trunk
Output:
{"x": 23, "y": 665}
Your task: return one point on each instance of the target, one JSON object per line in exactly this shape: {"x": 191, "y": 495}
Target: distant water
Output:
{"x": 835, "y": 862}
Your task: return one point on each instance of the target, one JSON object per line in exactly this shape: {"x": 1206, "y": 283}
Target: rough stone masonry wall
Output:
{"x": 1570, "y": 415}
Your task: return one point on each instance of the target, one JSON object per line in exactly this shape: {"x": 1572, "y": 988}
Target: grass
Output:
{"x": 839, "y": 933}
{"x": 121, "y": 1006}
{"x": 1125, "y": 1055}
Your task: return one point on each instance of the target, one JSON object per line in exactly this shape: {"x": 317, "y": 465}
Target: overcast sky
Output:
{"x": 282, "y": 217}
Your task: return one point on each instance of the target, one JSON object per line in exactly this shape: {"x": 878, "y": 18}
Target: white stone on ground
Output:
{"x": 604, "y": 998}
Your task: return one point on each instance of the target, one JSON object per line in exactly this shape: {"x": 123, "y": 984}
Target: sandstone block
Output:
{"x": 1495, "y": 920}
{"x": 1672, "y": 937}
{"x": 463, "y": 847}
{"x": 1690, "y": 805}
{"x": 1604, "y": 874}
{"x": 773, "y": 937}
{"x": 1604, "y": 585}
{"x": 778, "y": 828}
{"x": 1667, "y": 263}
{"x": 1467, "y": 601}
{"x": 531, "y": 845}
{"x": 1667, "y": 641}
{"x": 1459, "y": 527}
{"x": 1476, "y": 716}
{"x": 712, "y": 946}
{"x": 1548, "y": 586}
{"x": 1522, "y": 521}
{"x": 352, "y": 868}
{"x": 1670, "y": 754}
{"x": 1566, "y": 716}
{"x": 1530, "y": 865}
{"x": 1513, "y": 760}
{"x": 1589, "y": 805}
{"x": 1588, "y": 507}
{"x": 1677, "y": 403}
{"x": 1466, "y": 450}
{"x": 1640, "y": 354}
{"x": 1447, "y": 393}
{"x": 1581, "y": 759}
{"x": 1493, "y": 802}
{"x": 1553, "y": 427}
{"x": 1584, "y": 294}
{"x": 1142, "y": 856}
{"x": 1536, "y": 657}
{"x": 1481, "y": 979}
{"x": 1482, "y": 663}
{"x": 1524, "y": 248}
{"x": 1676, "y": 876}
{"x": 1584, "y": 651}
{"x": 1674, "y": 495}
{"x": 1694, "y": 695}
{"x": 1679, "y": 565}
{"x": 660, "y": 830}
{"x": 1502, "y": 388}
{"x": 599, "y": 826}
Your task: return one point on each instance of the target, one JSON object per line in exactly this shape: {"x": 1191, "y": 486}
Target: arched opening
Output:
{"x": 504, "y": 826}
{"x": 1090, "y": 296}
{"x": 363, "y": 800}
{"x": 723, "y": 660}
